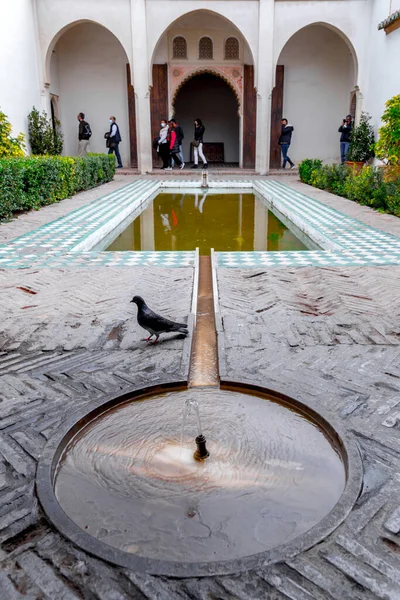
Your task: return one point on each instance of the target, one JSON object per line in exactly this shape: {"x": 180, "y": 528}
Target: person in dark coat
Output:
{"x": 284, "y": 141}
{"x": 114, "y": 139}
{"x": 345, "y": 130}
{"x": 199, "y": 130}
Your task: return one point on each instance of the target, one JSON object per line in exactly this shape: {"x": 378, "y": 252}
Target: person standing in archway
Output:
{"x": 84, "y": 134}
{"x": 114, "y": 140}
{"x": 284, "y": 141}
{"x": 199, "y": 130}
{"x": 174, "y": 145}
{"x": 345, "y": 131}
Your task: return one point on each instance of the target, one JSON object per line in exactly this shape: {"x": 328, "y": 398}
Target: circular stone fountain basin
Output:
{"x": 124, "y": 479}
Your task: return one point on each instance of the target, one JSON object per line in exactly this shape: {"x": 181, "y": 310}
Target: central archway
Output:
{"x": 201, "y": 54}
{"x": 208, "y": 96}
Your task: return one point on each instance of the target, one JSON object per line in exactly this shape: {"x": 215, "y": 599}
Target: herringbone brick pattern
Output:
{"x": 325, "y": 334}
{"x": 329, "y": 336}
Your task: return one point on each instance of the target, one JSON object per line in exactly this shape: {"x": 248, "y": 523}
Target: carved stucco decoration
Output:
{"x": 180, "y": 74}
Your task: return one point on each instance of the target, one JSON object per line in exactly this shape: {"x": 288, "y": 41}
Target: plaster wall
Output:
{"x": 54, "y": 16}
{"x": 19, "y": 81}
{"x": 92, "y": 79}
{"x": 318, "y": 67}
{"x": 384, "y": 62}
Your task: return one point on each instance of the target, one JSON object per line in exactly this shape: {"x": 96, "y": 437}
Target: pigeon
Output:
{"x": 153, "y": 323}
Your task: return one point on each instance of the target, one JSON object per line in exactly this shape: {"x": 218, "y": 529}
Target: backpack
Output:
{"x": 87, "y": 132}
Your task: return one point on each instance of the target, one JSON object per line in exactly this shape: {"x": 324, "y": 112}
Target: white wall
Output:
{"x": 318, "y": 67}
{"x": 91, "y": 79}
{"x": 19, "y": 82}
{"x": 210, "y": 99}
{"x": 384, "y": 62}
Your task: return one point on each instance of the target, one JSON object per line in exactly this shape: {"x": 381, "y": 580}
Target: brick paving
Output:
{"x": 329, "y": 335}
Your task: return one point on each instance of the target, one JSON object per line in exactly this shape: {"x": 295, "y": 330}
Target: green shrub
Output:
{"x": 306, "y": 167}
{"x": 9, "y": 145}
{"x": 387, "y": 147}
{"x": 44, "y": 136}
{"x": 34, "y": 181}
{"x": 362, "y": 140}
{"x": 367, "y": 187}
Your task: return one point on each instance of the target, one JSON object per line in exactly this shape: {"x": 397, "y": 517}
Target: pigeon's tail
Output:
{"x": 182, "y": 327}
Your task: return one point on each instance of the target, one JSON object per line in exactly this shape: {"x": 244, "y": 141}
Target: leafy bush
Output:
{"x": 387, "y": 147}
{"x": 367, "y": 187}
{"x": 306, "y": 168}
{"x": 34, "y": 181}
{"x": 372, "y": 186}
{"x": 44, "y": 137}
{"x": 9, "y": 145}
{"x": 362, "y": 140}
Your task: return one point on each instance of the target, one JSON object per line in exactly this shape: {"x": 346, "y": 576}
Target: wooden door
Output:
{"x": 249, "y": 118}
{"x": 158, "y": 103}
{"x": 276, "y": 118}
{"x": 132, "y": 119}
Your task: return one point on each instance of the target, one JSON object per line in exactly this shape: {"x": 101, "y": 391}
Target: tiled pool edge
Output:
{"x": 66, "y": 242}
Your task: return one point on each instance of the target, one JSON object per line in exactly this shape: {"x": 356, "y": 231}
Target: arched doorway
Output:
{"x": 210, "y": 98}
{"x": 200, "y": 54}
{"x": 316, "y": 77}
{"x": 88, "y": 73}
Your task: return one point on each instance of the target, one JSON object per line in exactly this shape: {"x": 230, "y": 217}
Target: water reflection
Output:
{"x": 204, "y": 219}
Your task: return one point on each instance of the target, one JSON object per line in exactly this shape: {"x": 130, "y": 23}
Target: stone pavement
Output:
{"x": 331, "y": 335}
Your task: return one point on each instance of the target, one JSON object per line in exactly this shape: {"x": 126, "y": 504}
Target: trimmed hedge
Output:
{"x": 372, "y": 186}
{"x": 34, "y": 181}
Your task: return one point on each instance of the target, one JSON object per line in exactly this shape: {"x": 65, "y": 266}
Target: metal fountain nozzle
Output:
{"x": 201, "y": 453}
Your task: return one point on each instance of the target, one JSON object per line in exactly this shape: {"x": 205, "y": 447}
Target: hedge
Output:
{"x": 376, "y": 187}
{"x": 34, "y": 181}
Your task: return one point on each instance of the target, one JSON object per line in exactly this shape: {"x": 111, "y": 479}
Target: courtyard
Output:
{"x": 319, "y": 326}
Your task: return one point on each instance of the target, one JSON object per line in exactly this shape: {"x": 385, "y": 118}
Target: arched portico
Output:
{"x": 87, "y": 71}
{"x": 316, "y": 82}
{"x": 173, "y": 66}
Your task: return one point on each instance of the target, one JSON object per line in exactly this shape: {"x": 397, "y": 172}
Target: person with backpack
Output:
{"x": 114, "y": 139}
{"x": 84, "y": 135}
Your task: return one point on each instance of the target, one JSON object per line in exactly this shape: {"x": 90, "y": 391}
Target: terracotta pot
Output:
{"x": 355, "y": 166}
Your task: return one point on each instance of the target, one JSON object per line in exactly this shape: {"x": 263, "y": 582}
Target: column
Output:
{"x": 260, "y": 225}
{"x": 147, "y": 241}
{"x": 264, "y": 83}
{"x": 141, "y": 84}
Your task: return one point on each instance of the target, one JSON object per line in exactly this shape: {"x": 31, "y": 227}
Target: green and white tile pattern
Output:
{"x": 66, "y": 242}
{"x": 347, "y": 241}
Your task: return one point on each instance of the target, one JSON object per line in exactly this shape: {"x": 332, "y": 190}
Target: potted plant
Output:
{"x": 361, "y": 143}
{"x": 387, "y": 148}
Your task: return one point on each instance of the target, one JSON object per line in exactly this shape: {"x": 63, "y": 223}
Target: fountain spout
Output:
{"x": 201, "y": 453}
{"x": 204, "y": 182}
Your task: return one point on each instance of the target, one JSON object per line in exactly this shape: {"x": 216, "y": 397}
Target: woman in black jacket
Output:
{"x": 199, "y": 130}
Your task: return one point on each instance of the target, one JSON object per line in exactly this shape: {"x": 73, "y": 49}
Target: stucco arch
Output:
{"x": 213, "y": 71}
{"x": 333, "y": 28}
{"x": 48, "y": 52}
{"x": 231, "y": 20}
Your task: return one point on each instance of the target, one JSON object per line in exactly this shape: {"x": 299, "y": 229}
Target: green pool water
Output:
{"x": 223, "y": 221}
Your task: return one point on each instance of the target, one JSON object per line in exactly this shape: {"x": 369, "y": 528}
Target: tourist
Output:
{"x": 163, "y": 146}
{"x": 284, "y": 141}
{"x": 179, "y": 135}
{"x": 174, "y": 146}
{"x": 199, "y": 130}
{"x": 113, "y": 141}
{"x": 84, "y": 134}
{"x": 345, "y": 131}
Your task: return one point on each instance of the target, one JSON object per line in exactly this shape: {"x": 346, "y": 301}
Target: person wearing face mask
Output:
{"x": 114, "y": 138}
{"x": 163, "y": 145}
